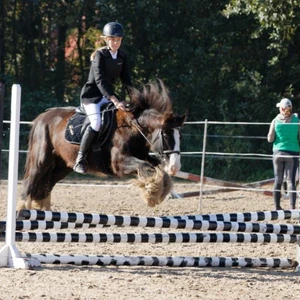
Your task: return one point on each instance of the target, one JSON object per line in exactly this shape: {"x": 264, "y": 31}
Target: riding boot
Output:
{"x": 81, "y": 165}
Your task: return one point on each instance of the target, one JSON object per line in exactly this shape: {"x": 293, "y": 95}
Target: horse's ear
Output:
{"x": 179, "y": 120}
{"x": 182, "y": 119}
{"x": 172, "y": 121}
{"x": 168, "y": 120}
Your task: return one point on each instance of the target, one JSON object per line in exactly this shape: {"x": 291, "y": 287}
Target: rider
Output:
{"x": 107, "y": 65}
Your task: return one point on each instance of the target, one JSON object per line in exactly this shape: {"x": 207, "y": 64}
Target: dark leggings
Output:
{"x": 285, "y": 162}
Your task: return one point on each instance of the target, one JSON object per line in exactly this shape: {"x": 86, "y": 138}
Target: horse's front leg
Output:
{"x": 154, "y": 183}
{"x": 154, "y": 161}
{"x": 122, "y": 164}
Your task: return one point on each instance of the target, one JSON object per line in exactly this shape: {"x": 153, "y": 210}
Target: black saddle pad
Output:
{"x": 79, "y": 122}
{"x": 75, "y": 128}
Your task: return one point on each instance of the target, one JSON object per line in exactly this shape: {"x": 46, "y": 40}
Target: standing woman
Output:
{"x": 285, "y": 134}
{"x": 108, "y": 64}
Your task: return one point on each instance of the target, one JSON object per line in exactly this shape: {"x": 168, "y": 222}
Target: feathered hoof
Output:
{"x": 28, "y": 203}
{"x": 154, "y": 185}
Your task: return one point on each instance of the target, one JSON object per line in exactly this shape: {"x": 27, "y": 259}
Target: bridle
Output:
{"x": 158, "y": 136}
{"x": 162, "y": 145}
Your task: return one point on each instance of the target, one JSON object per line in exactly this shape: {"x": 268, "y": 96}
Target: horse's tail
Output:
{"x": 38, "y": 148}
{"x": 30, "y": 138}
{"x": 39, "y": 144}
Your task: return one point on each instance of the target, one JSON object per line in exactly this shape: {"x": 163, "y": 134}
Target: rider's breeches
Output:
{"x": 93, "y": 113}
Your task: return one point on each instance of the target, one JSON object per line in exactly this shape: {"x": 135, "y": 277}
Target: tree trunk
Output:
{"x": 2, "y": 37}
{"x": 60, "y": 66}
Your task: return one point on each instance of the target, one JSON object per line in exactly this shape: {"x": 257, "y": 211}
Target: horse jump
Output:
{"x": 264, "y": 233}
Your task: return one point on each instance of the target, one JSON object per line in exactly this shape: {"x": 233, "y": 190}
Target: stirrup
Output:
{"x": 80, "y": 167}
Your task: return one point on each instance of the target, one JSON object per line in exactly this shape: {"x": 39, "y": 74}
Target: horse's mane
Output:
{"x": 154, "y": 96}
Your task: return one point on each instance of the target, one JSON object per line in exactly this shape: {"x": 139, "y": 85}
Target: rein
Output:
{"x": 134, "y": 123}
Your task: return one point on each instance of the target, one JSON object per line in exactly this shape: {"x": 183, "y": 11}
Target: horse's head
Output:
{"x": 152, "y": 126}
{"x": 166, "y": 143}
{"x": 154, "y": 113}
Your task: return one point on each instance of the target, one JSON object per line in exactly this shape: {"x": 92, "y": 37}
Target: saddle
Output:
{"x": 77, "y": 125}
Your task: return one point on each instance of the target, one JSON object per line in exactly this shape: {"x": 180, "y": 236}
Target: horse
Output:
{"x": 124, "y": 151}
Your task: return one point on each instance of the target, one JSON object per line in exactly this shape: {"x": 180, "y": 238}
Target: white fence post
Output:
{"x": 9, "y": 254}
{"x": 202, "y": 165}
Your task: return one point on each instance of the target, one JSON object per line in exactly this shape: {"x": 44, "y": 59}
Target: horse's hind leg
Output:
{"x": 44, "y": 204}
{"x": 22, "y": 204}
{"x": 38, "y": 195}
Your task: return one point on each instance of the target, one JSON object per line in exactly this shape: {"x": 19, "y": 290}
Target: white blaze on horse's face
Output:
{"x": 173, "y": 164}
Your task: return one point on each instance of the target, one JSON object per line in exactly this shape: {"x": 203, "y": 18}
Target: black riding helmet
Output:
{"x": 113, "y": 29}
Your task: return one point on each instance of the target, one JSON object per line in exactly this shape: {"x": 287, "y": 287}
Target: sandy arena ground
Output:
{"x": 94, "y": 282}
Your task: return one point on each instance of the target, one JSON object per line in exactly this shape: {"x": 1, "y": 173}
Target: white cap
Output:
{"x": 284, "y": 103}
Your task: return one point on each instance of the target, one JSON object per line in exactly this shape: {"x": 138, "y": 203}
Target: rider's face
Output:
{"x": 114, "y": 43}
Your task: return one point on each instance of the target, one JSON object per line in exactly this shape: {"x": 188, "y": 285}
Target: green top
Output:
{"x": 286, "y": 135}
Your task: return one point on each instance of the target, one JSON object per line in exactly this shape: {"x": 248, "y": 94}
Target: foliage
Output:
{"x": 280, "y": 19}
